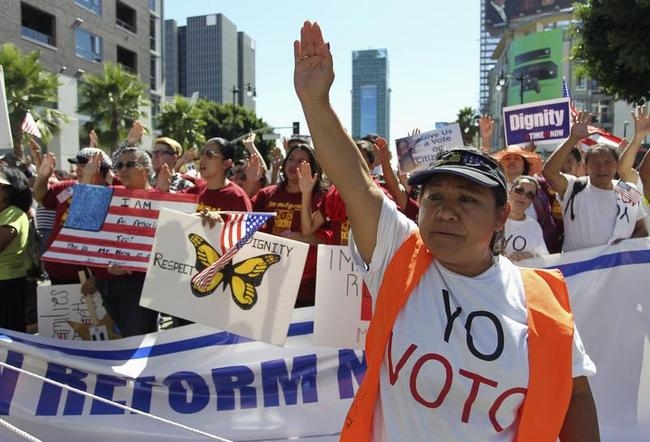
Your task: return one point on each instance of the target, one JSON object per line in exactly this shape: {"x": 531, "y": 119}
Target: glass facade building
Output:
{"x": 370, "y": 93}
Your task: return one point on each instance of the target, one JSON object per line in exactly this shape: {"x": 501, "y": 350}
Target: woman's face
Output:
{"x": 295, "y": 158}
{"x": 131, "y": 173}
{"x": 513, "y": 165}
{"x": 521, "y": 196}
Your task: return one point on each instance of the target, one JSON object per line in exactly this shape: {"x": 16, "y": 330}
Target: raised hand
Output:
{"x": 415, "y": 131}
{"x": 305, "y": 177}
{"x": 382, "y": 152}
{"x": 486, "y": 127}
{"x": 249, "y": 140}
{"x": 48, "y": 165}
{"x": 580, "y": 128}
{"x": 93, "y": 139}
{"x": 35, "y": 151}
{"x": 163, "y": 180}
{"x": 254, "y": 169}
{"x": 641, "y": 118}
{"x": 313, "y": 70}
{"x": 92, "y": 167}
{"x": 135, "y": 133}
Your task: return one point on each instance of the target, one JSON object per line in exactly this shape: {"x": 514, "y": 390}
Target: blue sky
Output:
{"x": 433, "y": 52}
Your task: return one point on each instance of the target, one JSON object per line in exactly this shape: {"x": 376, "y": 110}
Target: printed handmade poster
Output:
{"x": 340, "y": 294}
{"x": 252, "y": 295}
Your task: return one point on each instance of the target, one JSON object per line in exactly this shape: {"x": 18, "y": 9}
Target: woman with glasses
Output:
{"x": 120, "y": 289}
{"x": 285, "y": 198}
{"x": 523, "y": 235}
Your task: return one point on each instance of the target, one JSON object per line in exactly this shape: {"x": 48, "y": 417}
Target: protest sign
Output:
{"x": 252, "y": 296}
{"x": 543, "y": 122}
{"x": 64, "y": 313}
{"x": 6, "y": 141}
{"x": 112, "y": 225}
{"x": 341, "y": 294}
{"x": 418, "y": 151}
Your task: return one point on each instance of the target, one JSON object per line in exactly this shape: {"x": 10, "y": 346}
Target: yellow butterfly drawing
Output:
{"x": 242, "y": 277}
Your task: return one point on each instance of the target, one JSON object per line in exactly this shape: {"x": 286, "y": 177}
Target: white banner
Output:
{"x": 253, "y": 296}
{"x": 239, "y": 389}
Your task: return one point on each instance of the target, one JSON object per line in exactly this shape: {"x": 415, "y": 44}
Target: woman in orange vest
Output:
{"x": 463, "y": 345}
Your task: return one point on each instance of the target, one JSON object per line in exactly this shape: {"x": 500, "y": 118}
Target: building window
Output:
{"x": 128, "y": 59}
{"x": 37, "y": 25}
{"x": 92, "y": 5}
{"x": 125, "y": 17}
{"x": 580, "y": 104}
{"x": 581, "y": 83}
{"x": 152, "y": 5}
{"x": 88, "y": 46}
{"x": 152, "y": 33}
{"x": 153, "y": 83}
{"x": 600, "y": 111}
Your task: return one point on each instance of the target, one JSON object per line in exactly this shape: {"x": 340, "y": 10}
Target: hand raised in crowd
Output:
{"x": 622, "y": 145}
{"x": 531, "y": 146}
{"x": 35, "y": 151}
{"x": 254, "y": 169}
{"x": 641, "y": 118}
{"x": 48, "y": 165}
{"x": 91, "y": 168}
{"x": 415, "y": 131}
{"x": 486, "y": 129}
{"x": 135, "y": 133}
{"x": 382, "y": 152}
{"x": 163, "y": 179}
{"x": 306, "y": 179}
{"x": 285, "y": 146}
{"x": 314, "y": 71}
{"x": 249, "y": 141}
{"x": 580, "y": 128}
{"x": 93, "y": 139}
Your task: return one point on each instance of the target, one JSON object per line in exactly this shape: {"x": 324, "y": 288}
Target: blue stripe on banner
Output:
{"x": 220, "y": 338}
{"x": 605, "y": 262}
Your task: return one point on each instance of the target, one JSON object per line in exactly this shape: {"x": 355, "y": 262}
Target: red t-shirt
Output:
{"x": 229, "y": 197}
{"x": 288, "y": 206}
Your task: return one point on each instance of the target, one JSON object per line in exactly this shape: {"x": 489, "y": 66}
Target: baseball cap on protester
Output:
{"x": 84, "y": 155}
{"x": 468, "y": 163}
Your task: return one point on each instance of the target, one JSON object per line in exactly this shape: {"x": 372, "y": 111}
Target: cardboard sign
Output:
{"x": 418, "y": 151}
{"x": 544, "y": 122}
{"x": 252, "y": 296}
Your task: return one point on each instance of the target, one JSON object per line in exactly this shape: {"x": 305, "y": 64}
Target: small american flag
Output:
{"x": 237, "y": 230}
{"x": 565, "y": 88}
{"x": 29, "y": 125}
{"x": 628, "y": 192}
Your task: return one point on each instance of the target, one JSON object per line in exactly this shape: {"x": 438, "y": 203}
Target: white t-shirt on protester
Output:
{"x": 596, "y": 211}
{"x": 524, "y": 235}
{"x": 437, "y": 380}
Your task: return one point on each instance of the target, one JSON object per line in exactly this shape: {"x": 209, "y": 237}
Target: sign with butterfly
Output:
{"x": 341, "y": 294}
{"x": 251, "y": 295}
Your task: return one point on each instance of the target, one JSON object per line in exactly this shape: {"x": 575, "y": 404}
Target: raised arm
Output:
{"x": 554, "y": 163}
{"x": 644, "y": 173}
{"x": 336, "y": 151}
{"x": 249, "y": 145}
{"x": 641, "y": 118}
{"x": 486, "y": 128}
{"x": 40, "y": 187}
{"x": 309, "y": 222}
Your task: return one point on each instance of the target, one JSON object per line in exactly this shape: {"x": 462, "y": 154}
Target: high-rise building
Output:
{"x": 210, "y": 57}
{"x": 77, "y": 37}
{"x": 370, "y": 93}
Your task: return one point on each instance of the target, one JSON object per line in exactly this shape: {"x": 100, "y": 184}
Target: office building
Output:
{"x": 370, "y": 93}
{"x": 209, "y": 57}
{"x": 76, "y": 37}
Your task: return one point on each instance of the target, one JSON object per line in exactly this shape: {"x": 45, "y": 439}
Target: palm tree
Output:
{"x": 183, "y": 121}
{"x": 29, "y": 88}
{"x": 468, "y": 122}
{"x": 112, "y": 101}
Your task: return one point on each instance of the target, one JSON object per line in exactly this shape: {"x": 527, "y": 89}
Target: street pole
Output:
{"x": 521, "y": 88}
{"x": 235, "y": 91}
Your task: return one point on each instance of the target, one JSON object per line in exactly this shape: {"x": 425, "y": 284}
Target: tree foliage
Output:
{"x": 183, "y": 121}
{"x": 231, "y": 122}
{"x": 613, "y": 46}
{"x": 468, "y": 122}
{"x": 113, "y": 101}
{"x": 29, "y": 88}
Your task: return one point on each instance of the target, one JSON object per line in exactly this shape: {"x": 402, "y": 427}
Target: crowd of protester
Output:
{"x": 550, "y": 211}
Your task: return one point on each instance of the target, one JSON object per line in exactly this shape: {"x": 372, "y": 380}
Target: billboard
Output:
{"x": 535, "y": 63}
{"x": 498, "y": 13}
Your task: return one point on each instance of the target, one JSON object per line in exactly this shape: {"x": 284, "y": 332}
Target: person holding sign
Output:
{"x": 463, "y": 345}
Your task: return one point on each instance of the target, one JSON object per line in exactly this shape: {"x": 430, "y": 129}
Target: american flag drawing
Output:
{"x": 627, "y": 191}
{"x": 237, "y": 230}
{"x": 598, "y": 136}
{"x": 113, "y": 225}
{"x": 29, "y": 125}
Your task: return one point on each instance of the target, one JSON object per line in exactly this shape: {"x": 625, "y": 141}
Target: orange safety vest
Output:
{"x": 550, "y": 340}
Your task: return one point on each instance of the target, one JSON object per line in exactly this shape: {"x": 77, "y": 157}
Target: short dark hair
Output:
{"x": 576, "y": 154}
{"x": 18, "y": 191}
{"x": 601, "y": 148}
{"x": 365, "y": 146}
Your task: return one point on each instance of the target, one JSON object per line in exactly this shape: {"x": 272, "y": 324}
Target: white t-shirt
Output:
{"x": 597, "y": 213}
{"x": 445, "y": 369}
{"x": 524, "y": 236}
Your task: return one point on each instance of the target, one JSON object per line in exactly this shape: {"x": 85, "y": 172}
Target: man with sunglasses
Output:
{"x": 57, "y": 196}
{"x": 165, "y": 154}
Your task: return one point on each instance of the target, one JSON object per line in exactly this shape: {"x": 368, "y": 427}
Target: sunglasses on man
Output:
{"x": 127, "y": 164}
